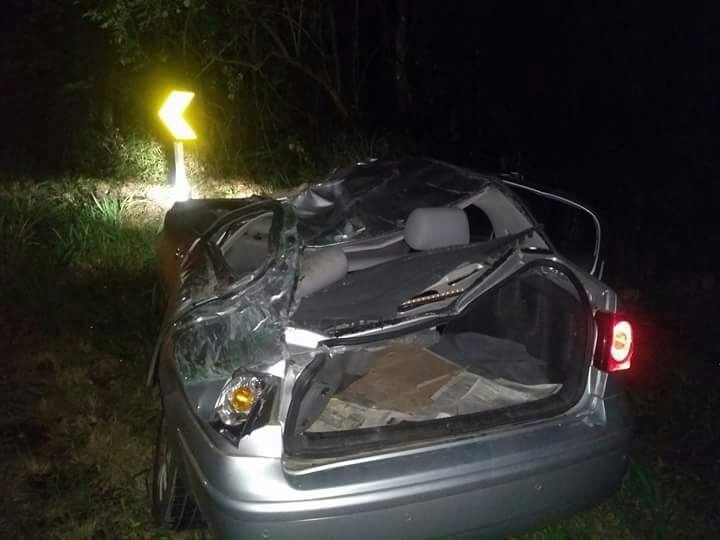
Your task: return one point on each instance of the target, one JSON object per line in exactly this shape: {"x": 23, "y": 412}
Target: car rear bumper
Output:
{"x": 487, "y": 486}
{"x": 505, "y": 508}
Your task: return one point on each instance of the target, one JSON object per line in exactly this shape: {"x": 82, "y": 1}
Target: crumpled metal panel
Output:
{"x": 242, "y": 325}
{"x": 373, "y": 199}
{"x": 223, "y": 322}
{"x": 204, "y": 274}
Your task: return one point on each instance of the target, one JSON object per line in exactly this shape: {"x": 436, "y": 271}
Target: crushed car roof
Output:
{"x": 224, "y": 321}
{"x": 375, "y": 198}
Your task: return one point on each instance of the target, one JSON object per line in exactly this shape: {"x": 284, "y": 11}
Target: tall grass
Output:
{"x": 60, "y": 225}
{"x": 76, "y": 329}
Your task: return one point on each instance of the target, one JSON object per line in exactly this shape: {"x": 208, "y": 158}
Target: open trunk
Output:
{"x": 520, "y": 351}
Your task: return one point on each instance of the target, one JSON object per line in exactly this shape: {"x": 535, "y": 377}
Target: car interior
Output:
{"x": 426, "y": 229}
{"x": 517, "y": 344}
{"x": 522, "y": 342}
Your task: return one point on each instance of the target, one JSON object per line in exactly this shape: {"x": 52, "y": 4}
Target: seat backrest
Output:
{"x": 432, "y": 228}
{"x": 246, "y": 249}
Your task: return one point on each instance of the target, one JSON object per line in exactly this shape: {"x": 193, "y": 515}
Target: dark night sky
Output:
{"x": 571, "y": 84}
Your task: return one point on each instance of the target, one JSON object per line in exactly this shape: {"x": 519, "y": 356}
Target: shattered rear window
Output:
{"x": 240, "y": 325}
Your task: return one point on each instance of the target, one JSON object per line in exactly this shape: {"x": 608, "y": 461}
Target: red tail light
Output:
{"x": 614, "y": 347}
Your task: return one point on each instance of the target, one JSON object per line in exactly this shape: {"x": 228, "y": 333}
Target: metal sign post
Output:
{"x": 182, "y": 187}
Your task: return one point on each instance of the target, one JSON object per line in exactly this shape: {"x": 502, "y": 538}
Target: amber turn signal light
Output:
{"x": 242, "y": 399}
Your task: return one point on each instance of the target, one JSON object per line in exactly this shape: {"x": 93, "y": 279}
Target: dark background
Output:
{"x": 614, "y": 103}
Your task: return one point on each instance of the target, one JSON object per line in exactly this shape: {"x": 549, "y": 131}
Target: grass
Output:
{"x": 77, "y": 277}
{"x": 77, "y": 326}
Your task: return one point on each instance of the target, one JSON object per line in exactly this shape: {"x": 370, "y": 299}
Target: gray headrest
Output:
{"x": 320, "y": 268}
{"x": 432, "y": 228}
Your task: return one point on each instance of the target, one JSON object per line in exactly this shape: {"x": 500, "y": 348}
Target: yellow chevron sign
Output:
{"x": 171, "y": 113}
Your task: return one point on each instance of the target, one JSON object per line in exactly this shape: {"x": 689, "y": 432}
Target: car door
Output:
{"x": 574, "y": 229}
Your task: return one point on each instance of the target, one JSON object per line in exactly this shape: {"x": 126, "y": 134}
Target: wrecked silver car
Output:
{"x": 397, "y": 351}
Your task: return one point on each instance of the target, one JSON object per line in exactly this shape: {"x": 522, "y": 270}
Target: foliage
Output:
{"x": 264, "y": 72}
{"x": 116, "y": 153}
{"x": 225, "y": 43}
{"x": 136, "y": 156}
{"x": 64, "y": 225}
{"x": 294, "y": 160}
{"x": 276, "y": 82}
{"x": 76, "y": 273}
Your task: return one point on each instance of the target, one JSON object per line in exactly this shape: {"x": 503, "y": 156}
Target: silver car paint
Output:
{"x": 501, "y": 481}
{"x": 496, "y": 482}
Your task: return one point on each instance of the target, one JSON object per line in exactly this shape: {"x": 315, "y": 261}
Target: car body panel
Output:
{"x": 507, "y": 481}
{"x": 497, "y": 481}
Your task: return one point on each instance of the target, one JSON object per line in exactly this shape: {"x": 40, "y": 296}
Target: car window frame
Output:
{"x": 598, "y": 266}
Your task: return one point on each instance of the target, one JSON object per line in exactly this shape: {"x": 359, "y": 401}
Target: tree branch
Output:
{"x": 325, "y": 85}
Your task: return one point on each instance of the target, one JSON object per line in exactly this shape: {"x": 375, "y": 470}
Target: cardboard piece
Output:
{"x": 401, "y": 378}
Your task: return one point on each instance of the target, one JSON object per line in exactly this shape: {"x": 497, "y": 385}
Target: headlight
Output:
{"x": 244, "y": 403}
